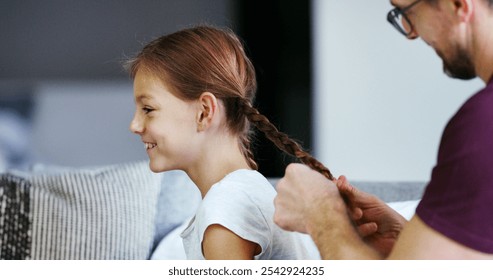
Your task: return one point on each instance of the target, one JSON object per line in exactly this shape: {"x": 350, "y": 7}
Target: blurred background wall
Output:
{"x": 64, "y": 92}
{"x": 381, "y": 101}
{"x": 332, "y": 74}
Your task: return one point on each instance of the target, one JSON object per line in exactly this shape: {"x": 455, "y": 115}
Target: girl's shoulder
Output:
{"x": 243, "y": 182}
{"x": 246, "y": 178}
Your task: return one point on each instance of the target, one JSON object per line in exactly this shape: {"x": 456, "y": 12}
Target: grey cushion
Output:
{"x": 393, "y": 191}
{"x": 387, "y": 191}
{"x": 95, "y": 213}
{"x": 178, "y": 200}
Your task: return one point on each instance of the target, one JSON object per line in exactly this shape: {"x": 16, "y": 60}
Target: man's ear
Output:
{"x": 464, "y": 9}
{"x": 208, "y": 106}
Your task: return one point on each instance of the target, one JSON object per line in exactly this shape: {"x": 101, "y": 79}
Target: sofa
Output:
{"x": 118, "y": 211}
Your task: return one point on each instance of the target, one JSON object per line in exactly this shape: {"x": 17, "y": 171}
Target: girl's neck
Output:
{"x": 220, "y": 157}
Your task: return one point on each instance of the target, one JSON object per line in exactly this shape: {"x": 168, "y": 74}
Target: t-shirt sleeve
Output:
{"x": 235, "y": 210}
{"x": 458, "y": 201}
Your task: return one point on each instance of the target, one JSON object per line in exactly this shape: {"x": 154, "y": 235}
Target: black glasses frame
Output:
{"x": 393, "y": 18}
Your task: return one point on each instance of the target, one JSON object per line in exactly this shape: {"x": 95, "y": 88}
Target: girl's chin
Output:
{"x": 156, "y": 168}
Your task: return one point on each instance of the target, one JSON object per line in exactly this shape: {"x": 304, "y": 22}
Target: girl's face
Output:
{"x": 166, "y": 124}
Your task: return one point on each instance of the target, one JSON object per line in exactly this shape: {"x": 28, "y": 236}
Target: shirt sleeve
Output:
{"x": 234, "y": 209}
{"x": 458, "y": 201}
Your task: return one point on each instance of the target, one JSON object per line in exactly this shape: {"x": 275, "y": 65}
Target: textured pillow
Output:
{"x": 15, "y": 238}
{"x": 93, "y": 213}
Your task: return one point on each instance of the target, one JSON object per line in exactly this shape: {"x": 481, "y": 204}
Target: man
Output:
{"x": 453, "y": 219}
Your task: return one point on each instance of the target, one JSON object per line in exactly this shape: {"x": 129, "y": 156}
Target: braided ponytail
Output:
{"x": 247, "y": 151}
{"x": 280, "y": 139}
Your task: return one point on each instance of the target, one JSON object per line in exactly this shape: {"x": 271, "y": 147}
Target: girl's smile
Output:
{"x": 149, "y": 146}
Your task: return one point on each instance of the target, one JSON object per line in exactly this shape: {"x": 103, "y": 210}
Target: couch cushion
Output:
{"x": 15, "y": 237}
{"x": 178, "y": 200}
{"x": 86, "y": 213}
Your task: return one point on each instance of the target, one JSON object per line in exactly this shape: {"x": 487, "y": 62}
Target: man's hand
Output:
{"x": 378, "y": 224}
{"x": 301, "y": 195}
{"x": 308, "y": 202}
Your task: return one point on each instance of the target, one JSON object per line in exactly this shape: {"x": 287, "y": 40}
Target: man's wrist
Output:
{"x": 331, "y": 229}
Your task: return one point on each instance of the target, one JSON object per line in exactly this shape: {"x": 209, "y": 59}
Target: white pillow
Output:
{"x": 405, "y": 208}
{"x": 171, "y": 246}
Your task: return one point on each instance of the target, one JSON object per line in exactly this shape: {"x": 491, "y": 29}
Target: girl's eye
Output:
{"x": 147, "y": 110}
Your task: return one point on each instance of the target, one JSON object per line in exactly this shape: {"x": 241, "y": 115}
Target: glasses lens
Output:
{"x": 399, "y": 22}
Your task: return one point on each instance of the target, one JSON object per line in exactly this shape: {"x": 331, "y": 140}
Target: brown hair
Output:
{"x": 204, "y": 58}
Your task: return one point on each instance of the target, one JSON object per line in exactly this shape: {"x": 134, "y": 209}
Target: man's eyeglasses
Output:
{"x": 397, "y": 17}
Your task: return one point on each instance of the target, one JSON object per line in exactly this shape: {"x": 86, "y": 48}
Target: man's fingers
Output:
{"x": 367, "y": 229}
{"x": 344, "y": 187}
{"x": 356, "y": 213}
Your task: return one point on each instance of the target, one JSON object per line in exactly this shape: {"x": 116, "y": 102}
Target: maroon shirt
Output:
{"x": 458, "y": 201}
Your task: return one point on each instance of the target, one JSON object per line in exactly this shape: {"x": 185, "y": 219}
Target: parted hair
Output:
{"x": 209, "y": 59}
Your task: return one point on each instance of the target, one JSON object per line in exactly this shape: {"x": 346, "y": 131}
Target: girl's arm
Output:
{"x": 222, "y": 244}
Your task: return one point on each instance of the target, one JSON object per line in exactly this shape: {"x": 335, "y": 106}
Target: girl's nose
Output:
{"x": 136, "y": 126}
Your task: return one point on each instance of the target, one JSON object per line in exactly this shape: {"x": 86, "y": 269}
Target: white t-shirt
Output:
{"x": 243, "y": 202}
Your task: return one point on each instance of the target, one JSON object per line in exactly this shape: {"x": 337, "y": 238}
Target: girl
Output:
{"x": 194, "y": 91}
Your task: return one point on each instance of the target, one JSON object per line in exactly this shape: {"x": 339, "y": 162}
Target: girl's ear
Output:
{"x": 207, "y": 110}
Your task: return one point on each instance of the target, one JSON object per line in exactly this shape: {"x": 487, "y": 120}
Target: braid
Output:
{"x": 247, "y": 152}
{"x": 281, "y": 140}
